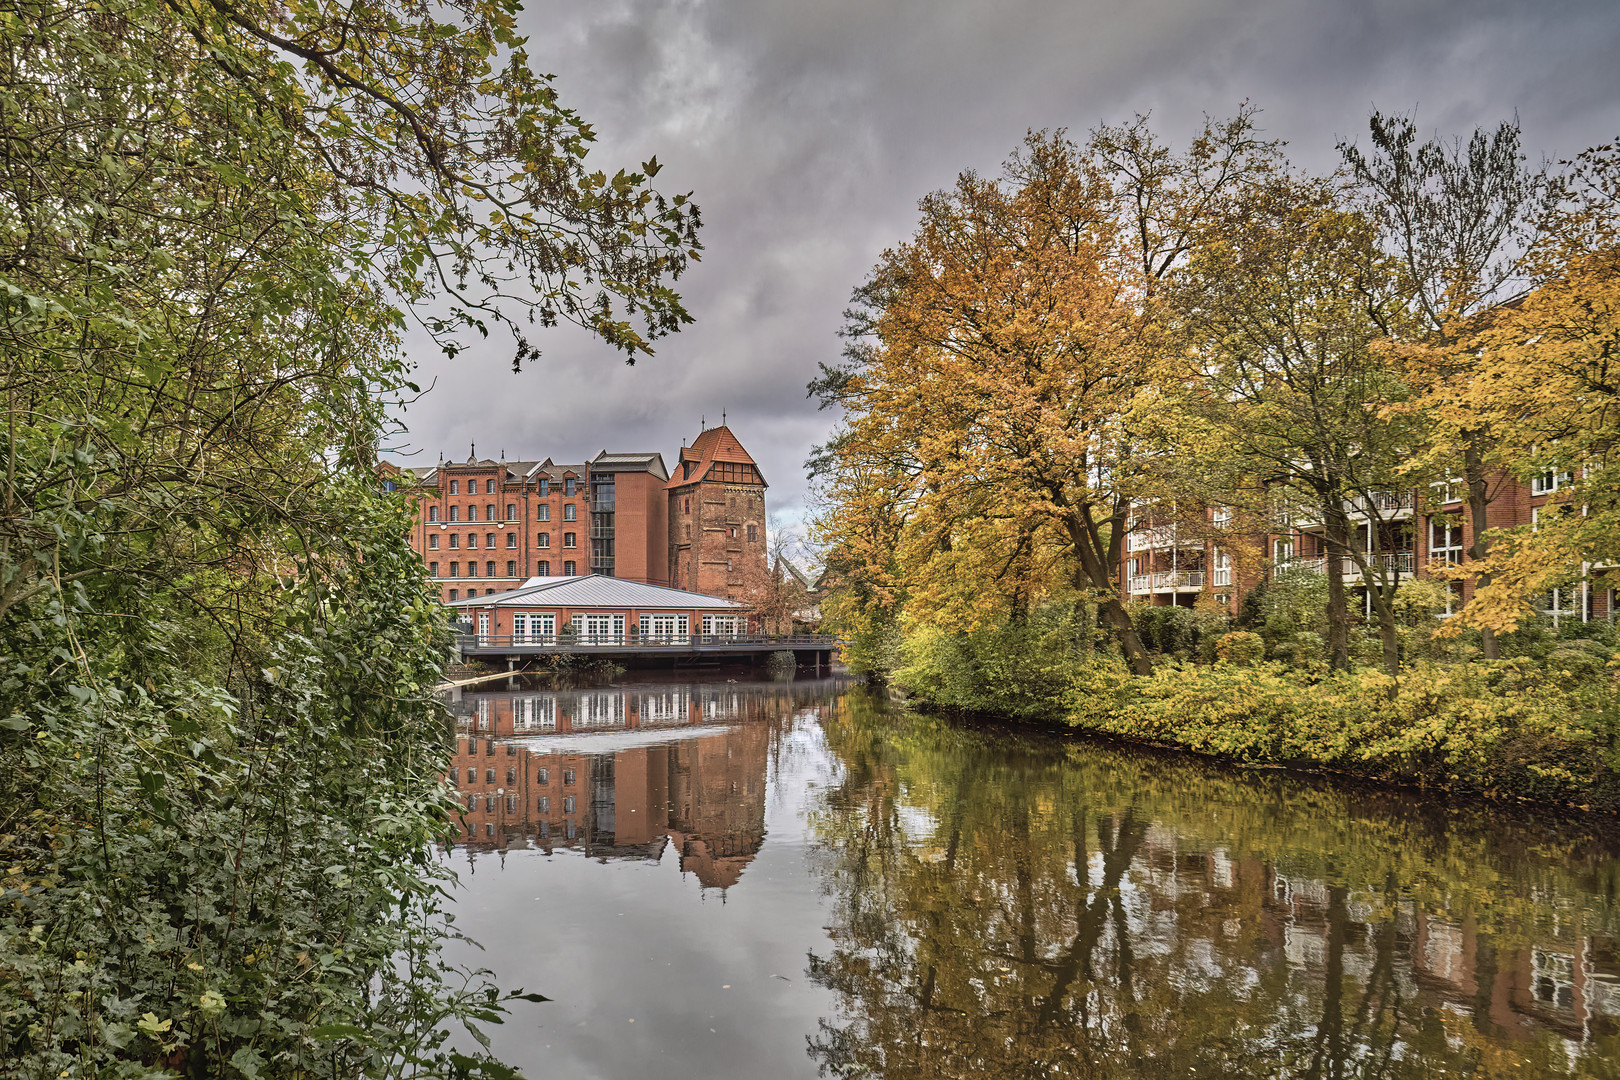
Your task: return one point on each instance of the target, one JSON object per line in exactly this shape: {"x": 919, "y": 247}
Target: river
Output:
{"x": 770, "y": 880}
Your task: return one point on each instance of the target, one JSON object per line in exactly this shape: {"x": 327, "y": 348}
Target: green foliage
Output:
{"x": 1501, "y": 728}
{"x": 1293, "y": 616}
{"x": 781, "y": 666}
{"x": 1018, "y": 669}
{"x": 1241, "y": 647}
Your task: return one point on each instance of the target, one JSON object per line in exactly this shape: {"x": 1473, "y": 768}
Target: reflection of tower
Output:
{"x": 717, "y": 802}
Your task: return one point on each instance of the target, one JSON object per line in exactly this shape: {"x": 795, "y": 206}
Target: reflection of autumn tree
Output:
{"x": 1014, "y": 913}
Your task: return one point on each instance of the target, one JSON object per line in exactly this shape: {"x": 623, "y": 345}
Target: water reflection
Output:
{"x": 622, "y": 772}
{"x": 903, "y": 898}
{"x": 1011, "y": 908}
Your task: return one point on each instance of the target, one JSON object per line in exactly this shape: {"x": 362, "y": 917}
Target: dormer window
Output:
{"x": 545, "y": 487}
{"x": 568, "y": 487}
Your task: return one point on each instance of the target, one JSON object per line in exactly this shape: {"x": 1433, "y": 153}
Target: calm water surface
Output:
{"x": 763, "y": 880}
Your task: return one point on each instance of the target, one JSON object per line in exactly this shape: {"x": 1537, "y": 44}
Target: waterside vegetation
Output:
{"x": 221, "y": 761}
{"x": 1114, "y": 327}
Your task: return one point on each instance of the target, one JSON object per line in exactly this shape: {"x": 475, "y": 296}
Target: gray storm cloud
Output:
{"x": 808, "y": 131}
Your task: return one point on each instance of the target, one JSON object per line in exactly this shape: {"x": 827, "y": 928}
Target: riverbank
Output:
{"x": 1506, "y": 730}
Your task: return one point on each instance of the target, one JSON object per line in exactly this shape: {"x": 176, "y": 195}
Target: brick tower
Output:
{"x": 717, "y": 518}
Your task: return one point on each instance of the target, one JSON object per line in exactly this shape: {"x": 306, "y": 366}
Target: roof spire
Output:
{"x": 722, "y": 418}
{"x": 703, "y": 424}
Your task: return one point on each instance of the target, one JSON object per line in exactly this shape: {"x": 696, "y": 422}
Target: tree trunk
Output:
{"x": 1478, "y": 504}
{"x": 1117, "y": 619}
{"x": 1336, "y": 533}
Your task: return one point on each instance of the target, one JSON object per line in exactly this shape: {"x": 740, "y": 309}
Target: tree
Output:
{"x": 1545, "y": 386}
{"x": 1457, "y": 219}
{"x": 222, "y": 756}
{"x": 1280, "y": 312}
{"x": 1001, "y": 362}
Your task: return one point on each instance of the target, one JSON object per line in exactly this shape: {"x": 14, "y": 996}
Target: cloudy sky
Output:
{"x": 808, "y": 129}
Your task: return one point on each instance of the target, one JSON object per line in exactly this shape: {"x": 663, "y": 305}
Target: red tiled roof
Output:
{"x": 715, "y": 444}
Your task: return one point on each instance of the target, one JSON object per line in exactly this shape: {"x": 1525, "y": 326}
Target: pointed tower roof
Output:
{"x": 715, "y": 444}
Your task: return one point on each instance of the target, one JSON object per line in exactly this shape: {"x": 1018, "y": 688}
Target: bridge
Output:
{"x": 816, "y": 649}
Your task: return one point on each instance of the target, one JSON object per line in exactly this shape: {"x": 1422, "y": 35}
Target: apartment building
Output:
{"x": 485, "y": 526}
{"x": 1174, "y": 560}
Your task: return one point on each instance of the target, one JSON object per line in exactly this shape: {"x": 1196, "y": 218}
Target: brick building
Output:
{"x": 485, "y": 526}
{"x": 1170, "y": 562}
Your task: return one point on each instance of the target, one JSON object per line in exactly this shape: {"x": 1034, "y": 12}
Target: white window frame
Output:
{"x": 663, "y": 627}
{"x": 721, "y": 625}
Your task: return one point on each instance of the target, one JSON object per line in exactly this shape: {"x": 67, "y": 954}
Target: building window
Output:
{"x": 569, "y": 541}
{"x": 511, "y": 539}
{"x": 543, "y": 540}
{"x": 568, "y": 568}
{"x": 545, "y": 776}
{"x": 1445, "y": 540}
{"x": 732, "y": 532}
{"x": 570, "y": 512}
{"x": 545, "y": 488}
{"x": 472, "y": 569}
{"x": 452, "y": 591}
{"x": 568, "y": 804}
{"x": 455, "y": 569}
{"x": 511, "y": 749}
{"x": 489, "y": 776}
{"x": 686, "y": 505}
{"x": 1548, "y": 482}
{"x": 472, "y": 540}
{"x": 433, "y": 542}
{"x": 753, "y": 533}
{"x": 568, "y": 776}
{"x": 511, "y": 776}
{"x": 472, "y": 487}
{"x": 489, "y": 570}
{"x": 568, "y": 488}
{"x": 455, "y": 513}
{"x": 472, "y": 774}
{"x": 489, "y": 512}
{"x": 689, "y": 532}
{"x": 455, "y": 541}
{"x": 543, "y": 568}
{"x": 433, "y": 513}
{"x": 511, "y": 568}
{"x": 511, "y": 803}
{"x": 545, "y": 804}
{"x": 511, "y": 511}
{"x": 545, "y": 512}
{"x": 472, "y": 512}
{"x": 433, "y": 569}
{"x": 455, "y": 487}
{"x": 728, "y": 566}
{"x": 489, "y": 540}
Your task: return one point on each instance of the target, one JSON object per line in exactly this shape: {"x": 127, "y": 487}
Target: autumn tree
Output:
{"x": 1457, "y": 217}
{"x": 1000, "y": 363}
{"x": 1545, "y": 385}
{"x": 1280, "y": 314}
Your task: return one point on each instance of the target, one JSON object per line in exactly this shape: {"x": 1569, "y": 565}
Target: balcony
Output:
{"x": 1383, "y": 502}
{"x": 1166, "y": 581}
{"x": 1147, "y": 539}
{"x": 1398, "y": 562}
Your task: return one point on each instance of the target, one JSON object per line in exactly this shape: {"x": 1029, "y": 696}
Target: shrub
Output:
{"x": 1242, "y": 648}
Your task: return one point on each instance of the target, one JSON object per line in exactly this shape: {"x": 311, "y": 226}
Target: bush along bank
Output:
{"x": 1541, "y": 726}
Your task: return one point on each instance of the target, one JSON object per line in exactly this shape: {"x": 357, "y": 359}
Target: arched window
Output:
{"x": 489, "y": 570}
{"x": 455, "y": 487}
{"x": 489, "y": 512}
{"x": 472, "y": 512}
{"x": 455, "y": 513}
{"x": 511, "y": 511}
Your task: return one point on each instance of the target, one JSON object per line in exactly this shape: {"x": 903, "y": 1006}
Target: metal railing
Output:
{"x": 638, "y": 640}
{"x": 1166, "y": 579}
{"x": 1398, "y": 562}
{"x": 1384, "y": 501}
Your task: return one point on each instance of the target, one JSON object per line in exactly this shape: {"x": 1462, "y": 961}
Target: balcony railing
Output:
{"x": 1165, "y": 580}
{"x": 1398, "y": 562}
{"x": 1384, "y": 502}
{"x": 1145, "y": 539}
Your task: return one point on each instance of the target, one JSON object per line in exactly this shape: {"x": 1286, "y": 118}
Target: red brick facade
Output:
{"x": 486, "y": 526}
{"x": 1166, "y": 565}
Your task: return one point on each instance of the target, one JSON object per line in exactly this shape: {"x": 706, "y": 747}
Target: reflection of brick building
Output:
{"x": 707, "y": 792}
{"x": 485, "y": 525}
